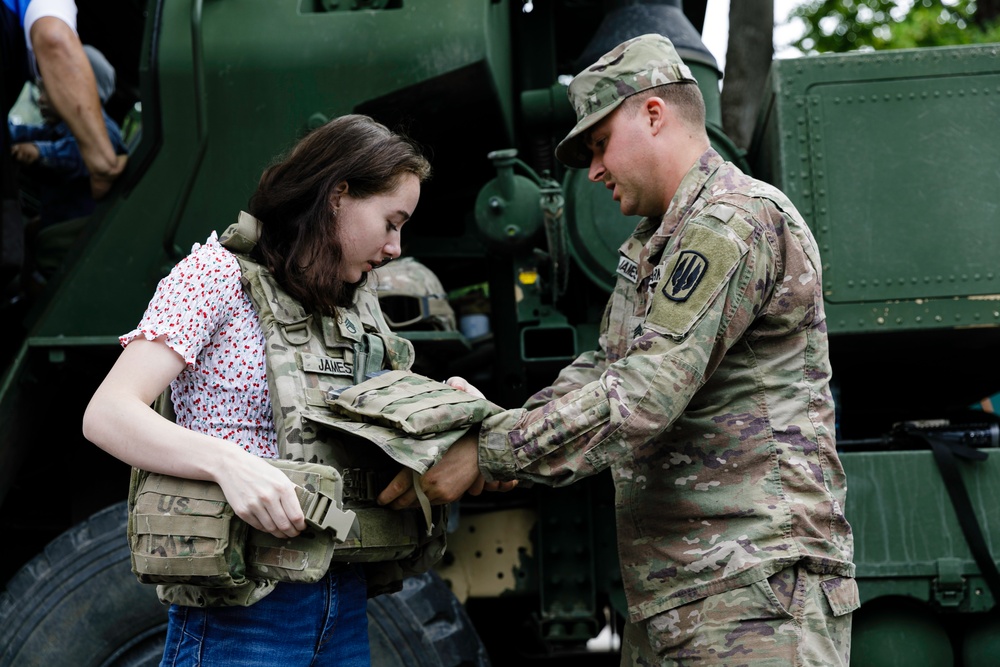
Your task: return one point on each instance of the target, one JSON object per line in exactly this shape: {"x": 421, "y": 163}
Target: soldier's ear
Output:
{"x": 654, "y": 113}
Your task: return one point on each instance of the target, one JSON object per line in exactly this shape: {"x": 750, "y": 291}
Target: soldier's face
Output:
{"x": 369, "y": 229}
{"x": 621, "y": 145}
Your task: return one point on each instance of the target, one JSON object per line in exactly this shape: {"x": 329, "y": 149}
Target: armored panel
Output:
{"x": 893, "y": 158}
{"x": 907, "y": 533}
{"x": 232, "y": 84}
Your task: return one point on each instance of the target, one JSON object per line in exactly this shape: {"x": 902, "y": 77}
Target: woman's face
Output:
{"x": 368, "y": 229}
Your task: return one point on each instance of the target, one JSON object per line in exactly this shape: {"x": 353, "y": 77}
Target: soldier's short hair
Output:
{"x": 685, "y": 98}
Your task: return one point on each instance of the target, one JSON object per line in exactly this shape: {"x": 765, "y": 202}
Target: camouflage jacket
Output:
{"x": 708, "y": 398}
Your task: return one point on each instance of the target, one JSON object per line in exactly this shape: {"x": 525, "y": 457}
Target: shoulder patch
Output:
{"x": 688, "y": 272}
{"x": 696, "y": 274}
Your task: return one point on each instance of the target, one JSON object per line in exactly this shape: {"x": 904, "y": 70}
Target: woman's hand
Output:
{"x": 262, "y": 495}
{"x": 120, "y": 421}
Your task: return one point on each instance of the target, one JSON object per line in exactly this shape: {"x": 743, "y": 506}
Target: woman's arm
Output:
{"x": 120, "y": 421}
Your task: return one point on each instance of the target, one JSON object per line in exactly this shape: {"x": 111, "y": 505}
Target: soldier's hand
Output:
{"x": 502, "y": 487}
{"x": 399, "y": 493}
{"x": 456, "y": 472}
{"x": 461, "y": 383}
{"x": 481, "y": 485}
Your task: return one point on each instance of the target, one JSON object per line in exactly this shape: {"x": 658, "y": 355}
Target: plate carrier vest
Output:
{"x": 309, "y": 357}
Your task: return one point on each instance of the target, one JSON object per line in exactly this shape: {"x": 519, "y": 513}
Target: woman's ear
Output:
{"x": 339, "y": 191}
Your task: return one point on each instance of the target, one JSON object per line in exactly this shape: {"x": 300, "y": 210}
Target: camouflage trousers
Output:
{"x": 794, "y": 618}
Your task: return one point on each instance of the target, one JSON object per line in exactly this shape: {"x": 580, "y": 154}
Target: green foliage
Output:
{"x": 850, "y": 25}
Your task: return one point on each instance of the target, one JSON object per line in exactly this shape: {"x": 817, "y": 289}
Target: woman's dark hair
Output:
{"x": 298, "y": 239}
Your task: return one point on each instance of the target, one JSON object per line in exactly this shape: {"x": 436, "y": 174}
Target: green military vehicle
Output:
{"x": 893, "y": 159}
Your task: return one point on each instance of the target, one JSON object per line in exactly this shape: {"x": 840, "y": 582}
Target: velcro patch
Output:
{"x": 349, "y": 329}
{"x": 696, "y": 273}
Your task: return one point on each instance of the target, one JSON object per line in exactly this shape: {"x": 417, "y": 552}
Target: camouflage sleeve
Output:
{"x": 702, "y": 308}
{"x": 585, "y": 369}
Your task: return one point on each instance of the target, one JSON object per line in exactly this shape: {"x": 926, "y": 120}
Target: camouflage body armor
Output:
{"x": 310, "y": 357}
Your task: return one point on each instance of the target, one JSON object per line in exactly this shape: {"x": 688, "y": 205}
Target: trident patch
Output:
{"x": 688, "y": 272}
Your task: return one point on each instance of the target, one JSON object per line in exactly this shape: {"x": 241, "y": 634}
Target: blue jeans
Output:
{"x": 297, "y": 625}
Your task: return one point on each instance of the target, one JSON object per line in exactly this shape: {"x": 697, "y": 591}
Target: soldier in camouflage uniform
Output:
{"x": 708, "y": 397}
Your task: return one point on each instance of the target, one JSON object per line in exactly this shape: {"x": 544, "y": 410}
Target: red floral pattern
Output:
{"x": 203, "y": 314}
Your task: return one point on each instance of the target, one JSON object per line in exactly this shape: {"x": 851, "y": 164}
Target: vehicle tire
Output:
{"x": 78, "y": 603}
{"x": 423, "y": 625}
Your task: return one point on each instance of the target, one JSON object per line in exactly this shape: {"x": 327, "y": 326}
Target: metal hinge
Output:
{"x": 948, "y": 589}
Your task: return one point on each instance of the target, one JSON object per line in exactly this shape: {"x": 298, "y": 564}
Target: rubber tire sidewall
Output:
{"x": 78, "y": 603}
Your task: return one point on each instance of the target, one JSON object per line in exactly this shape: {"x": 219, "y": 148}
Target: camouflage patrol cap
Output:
{"x": 412, "y": 297}
{"x": 640, "y": 63}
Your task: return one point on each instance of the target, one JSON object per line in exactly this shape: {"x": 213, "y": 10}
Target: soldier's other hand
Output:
{"x": 502, "y": 487}
{"x": 399, "y": 493}
{"x": 464, "y": 385}
{"x": 481, "y": 485}
{"x": 25, "y": 153}
{"x": 456, "y": 472}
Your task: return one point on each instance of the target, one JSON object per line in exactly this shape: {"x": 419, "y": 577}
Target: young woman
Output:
{"x": 326, "y": 214}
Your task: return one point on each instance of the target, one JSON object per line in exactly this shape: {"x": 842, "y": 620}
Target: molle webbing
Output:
{"x": 416, "y": 405}
{"x": 412, "y": 403}
{"x": 362, "y": 486}
{"x": 308, "y": 356}
{"x": 184, "y": 530}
